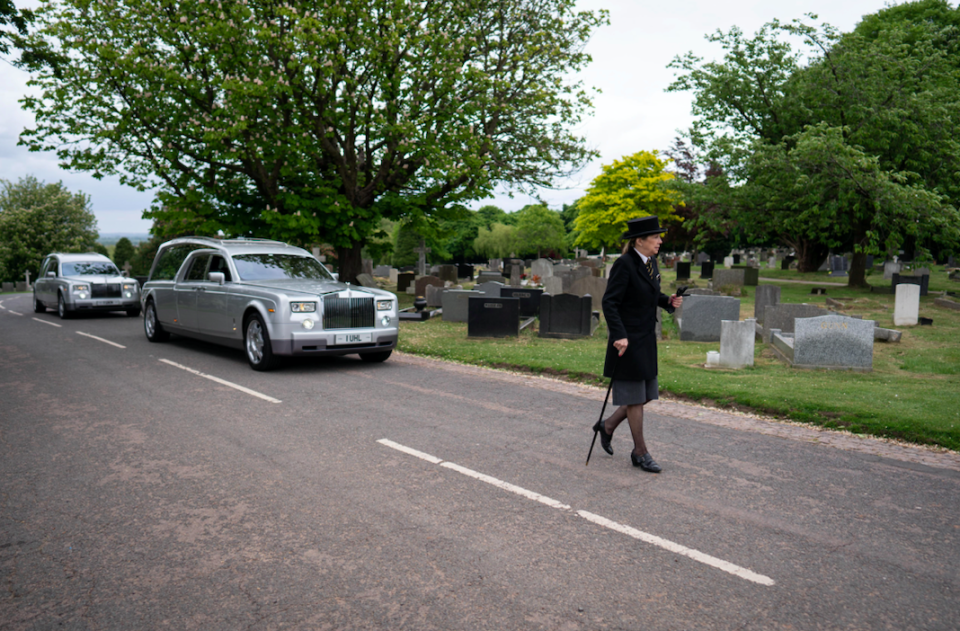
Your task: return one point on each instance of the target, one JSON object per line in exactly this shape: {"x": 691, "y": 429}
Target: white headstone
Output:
{"x": 728, "y": 261}
{"x": 737, "y": 342}
{"x": 906, "y": 310}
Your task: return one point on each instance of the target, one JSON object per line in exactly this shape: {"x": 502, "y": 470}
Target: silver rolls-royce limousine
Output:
{"x": 268, "y": 298}
{"x": 77, "y": 283}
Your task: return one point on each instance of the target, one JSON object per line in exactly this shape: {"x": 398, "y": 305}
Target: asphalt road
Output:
{"x": 138, "y": 493}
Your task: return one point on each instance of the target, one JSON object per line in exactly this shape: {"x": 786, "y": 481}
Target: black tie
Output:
{"x": 650, "y": 267}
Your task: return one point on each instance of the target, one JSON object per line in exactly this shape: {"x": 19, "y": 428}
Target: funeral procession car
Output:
{"x": 266, "y": 297}
{"x": 77, "y": 283}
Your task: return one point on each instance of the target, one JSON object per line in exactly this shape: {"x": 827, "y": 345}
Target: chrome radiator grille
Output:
{"x": 105, "y": 290}
{"x": 347, "y": 313}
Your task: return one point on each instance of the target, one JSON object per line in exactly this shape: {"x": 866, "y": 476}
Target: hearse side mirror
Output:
{"x": 216, "y": 277}
{"x": 51, "y": 274}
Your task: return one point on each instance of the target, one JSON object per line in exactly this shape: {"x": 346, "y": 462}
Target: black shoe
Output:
{"x": 604, "y": 437}
{"x": 645, "y": 462}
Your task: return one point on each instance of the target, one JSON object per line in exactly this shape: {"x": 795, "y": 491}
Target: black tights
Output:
{"x": 634, "y": 416}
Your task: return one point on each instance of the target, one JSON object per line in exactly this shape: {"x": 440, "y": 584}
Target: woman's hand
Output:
{"x": 621, "y": 345}
{"x": 676, "y": 301}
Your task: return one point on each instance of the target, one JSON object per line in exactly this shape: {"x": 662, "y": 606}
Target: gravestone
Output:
{"x": 486, "y": 277}
{"x": 787, "y": 260}
{"x": 702, "y": 257}
{"x": 7, "y": 287}
{"x": 783, "y": 317}
{"x": 366, "y": 280}
{"x": 560, "y": 269}
{"x": 366, "y": 266}
{"x": 394, "y": 276}
{"x": 566, "y": 316}
{"x": 489, "y": 288}
{"x": 592, "y": 263}
{"x": 700, "y": 321}
{"x": 434, "y": 295}
{"x": 728, "y": 278}
{"x": 751, "y": 275}
{"x": 553, "y": 285}
{"x": 21, "y": 286}
{"x": 529, "y": 299}
{"x": 737, "y": 343}
{"x": 838, "y": 266}
{"x": 447, "y": 272}
{"x": 946, "y": 303}
{"x": 923, "y": 281}
{"x": 765, "y": 295}
{"x": 455, "y": 303}
{"x": 772, "y": 262}
{"x": 706, "y": 269}
{"x": 126, "y": 269}
{"x": 831, "y": 341}
{"x": 728, "y": 262}
{"x": 404, "y": 280}
{"x": 420, "y": 285}
{"x": 683, "y": 270}
{"x": 951, "y": 262}
{"x": 493, "y": 317}
{"x": 516, "y": 271}
{"x": 382, "y": 271}
{"x": 906, "y": 310}
{"x": 736, "y": 259}
{"x": 495, "y": 265}
{"x": 542, "y": 268}
{"x": 890, "y": 268}
{"x": 592, "y": 286}
{"x": 465, "y": 271}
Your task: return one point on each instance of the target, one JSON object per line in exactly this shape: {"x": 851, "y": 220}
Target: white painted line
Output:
{"x": 223, "y": 382}
{"x": 506, "y": 486}
{"x": 646, "y": 537}
{"x": 59, "y": 326}
{"x": 14, "y": 312}
{"x": 100, "y": 339}
{"x": 676, "y": 548}
{"x": 408, "y": 450}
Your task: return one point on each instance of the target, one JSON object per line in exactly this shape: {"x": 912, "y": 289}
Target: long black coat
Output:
{"x": 630, "y": 308}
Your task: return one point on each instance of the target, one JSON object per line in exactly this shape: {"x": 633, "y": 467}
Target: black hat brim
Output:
{"x": 646, "y": 233}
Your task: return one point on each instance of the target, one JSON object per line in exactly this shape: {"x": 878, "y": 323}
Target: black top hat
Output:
{"x": 642, "y": 227}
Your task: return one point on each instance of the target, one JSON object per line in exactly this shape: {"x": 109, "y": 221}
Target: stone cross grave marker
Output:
{"x": 126, "y": 268}
{"x": 422, "y": 258}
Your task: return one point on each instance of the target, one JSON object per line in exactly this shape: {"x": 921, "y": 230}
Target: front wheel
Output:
{"x": 151, "y": 325}
{"x": 376, "y": 357}
{"x": 38, "y": 306}
{"x": 256, "y": 342}
{"x": 62, "y": 308}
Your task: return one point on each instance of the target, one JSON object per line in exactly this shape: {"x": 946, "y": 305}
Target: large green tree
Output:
{"x": 308, "y": 121}
{"x": 37, "y": 219}
{"x": 888, "y": 93}
{"x": 539, "y": 229}
{"x": 631, "y": 187}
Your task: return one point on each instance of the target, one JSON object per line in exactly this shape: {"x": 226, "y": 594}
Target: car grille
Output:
{"x": 347, "y": 313}
{"x": 105, "y": 290}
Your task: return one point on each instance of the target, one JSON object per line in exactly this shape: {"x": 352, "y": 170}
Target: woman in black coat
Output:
{"x": 630, "y": 308}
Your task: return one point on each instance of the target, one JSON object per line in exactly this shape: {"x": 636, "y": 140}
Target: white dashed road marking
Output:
{"x": 59, "y": 326}
{"x": 646, "y": 537}
{"x": 14, "y": 312}
{"x": 100, "y": 339}
{"x": 223, "y": 382}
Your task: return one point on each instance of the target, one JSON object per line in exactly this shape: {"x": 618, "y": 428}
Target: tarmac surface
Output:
{"x": 153, "y": 486}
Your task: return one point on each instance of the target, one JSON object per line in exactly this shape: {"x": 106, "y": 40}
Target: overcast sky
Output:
{"x": 633, "y": 113}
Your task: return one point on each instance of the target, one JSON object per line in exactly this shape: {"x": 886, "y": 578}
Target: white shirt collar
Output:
{"x": 642, "y": 256}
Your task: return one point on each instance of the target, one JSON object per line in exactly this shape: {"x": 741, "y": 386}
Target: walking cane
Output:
{"x": 680, "y": 292}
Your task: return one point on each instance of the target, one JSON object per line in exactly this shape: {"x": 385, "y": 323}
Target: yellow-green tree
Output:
{"x": 630, "y": 187}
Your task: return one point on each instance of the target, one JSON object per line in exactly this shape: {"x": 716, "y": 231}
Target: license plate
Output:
{"x": 354, "y": 338}
{"x": 108, "y": 302}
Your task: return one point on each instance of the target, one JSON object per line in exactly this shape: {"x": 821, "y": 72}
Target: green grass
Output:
{"x": 913, "y": 392}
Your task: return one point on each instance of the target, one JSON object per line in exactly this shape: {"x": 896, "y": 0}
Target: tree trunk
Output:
{"x": 810, "y": 255}
{"x": 858, "y": 271}
{"x": 349, "y": 263}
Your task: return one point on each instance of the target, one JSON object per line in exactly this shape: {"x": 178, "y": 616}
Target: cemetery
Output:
{"x": 775, "y": 348}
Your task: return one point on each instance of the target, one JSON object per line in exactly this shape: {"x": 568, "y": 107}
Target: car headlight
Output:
{"x": 79, "y": 288}
{"x": 303, "y": 307}
{"x": 132, "y": 287}
{"x": 385, "y": 320}
{"x": 384, "y": 305}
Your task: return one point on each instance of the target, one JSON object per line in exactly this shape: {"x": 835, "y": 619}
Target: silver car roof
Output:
{"x": 73, "y": 258}
{"x": 241, "y": 246}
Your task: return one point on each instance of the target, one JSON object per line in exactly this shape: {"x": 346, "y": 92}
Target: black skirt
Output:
{"x": 635, "y": 392}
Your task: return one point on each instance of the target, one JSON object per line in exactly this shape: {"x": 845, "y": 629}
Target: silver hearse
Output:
{"x": 76, "y": 283}
{"x": 266, "y": 297}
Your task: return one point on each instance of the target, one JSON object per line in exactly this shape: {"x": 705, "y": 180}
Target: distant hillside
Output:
{"x": 111, "y": 238}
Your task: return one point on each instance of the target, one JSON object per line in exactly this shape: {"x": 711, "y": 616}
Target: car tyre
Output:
{"x": 133, "y": 313}
{"x": 38, "y": 306}
{"x": 151, "y": 324}
{"x": 62, "y": 308}
{"x": 376, "y": 357}
{"x": 256, "y": 344}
